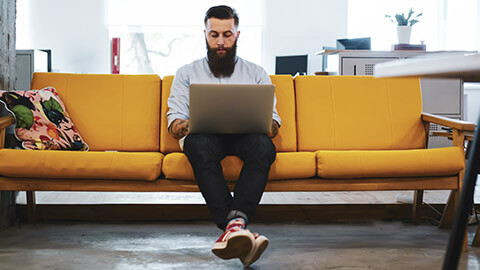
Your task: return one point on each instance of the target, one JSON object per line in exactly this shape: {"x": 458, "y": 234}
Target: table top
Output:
{"x": 464, "y": 66}
{"x": 369, "y": 52}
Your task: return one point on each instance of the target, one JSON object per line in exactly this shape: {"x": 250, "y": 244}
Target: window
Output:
{"x": 159, "y": 37}
{"x": 444, "y": 25}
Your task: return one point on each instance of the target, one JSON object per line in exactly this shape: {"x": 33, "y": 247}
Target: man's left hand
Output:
{"x": 274, "y": 130}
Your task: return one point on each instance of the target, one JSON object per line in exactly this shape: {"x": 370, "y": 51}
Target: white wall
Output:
{"x": 472, "y": 101}
{"x": 302, "y": 27}
{"x": 75, "y": 30}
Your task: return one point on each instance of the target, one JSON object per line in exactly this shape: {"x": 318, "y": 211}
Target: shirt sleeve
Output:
{"x": 263, "y": 78}
{"x": 178, "y": 102}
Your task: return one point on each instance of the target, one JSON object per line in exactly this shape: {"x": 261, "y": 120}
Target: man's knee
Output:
{"x": 261, "y": 146}
{"x": 202, "y": 144}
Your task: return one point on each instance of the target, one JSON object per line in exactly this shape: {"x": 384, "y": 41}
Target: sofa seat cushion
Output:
{"x": 82, "y": 165}
{"x": 288, "y": 165}
{"x": 390, "y": 163}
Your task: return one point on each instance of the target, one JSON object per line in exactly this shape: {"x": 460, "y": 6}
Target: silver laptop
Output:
{"x": 231, "y": 108}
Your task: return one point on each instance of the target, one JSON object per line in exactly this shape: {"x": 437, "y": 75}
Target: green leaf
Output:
{"x": 52, "y": 104}
{"x": 410, "y": 13}
{"x": 56, "y": 105}
{"x": 402, "y": 21}
{"x": 24, "y": 116}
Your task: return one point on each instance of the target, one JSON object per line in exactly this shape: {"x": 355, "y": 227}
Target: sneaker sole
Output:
{"x": 255, "y": 254}
{"x": 238, "y": 245}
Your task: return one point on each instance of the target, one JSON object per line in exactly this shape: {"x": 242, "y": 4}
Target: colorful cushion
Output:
{"x": 42, "y": 121}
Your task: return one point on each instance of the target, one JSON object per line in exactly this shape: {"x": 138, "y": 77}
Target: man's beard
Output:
{"x": 222, "y": 66}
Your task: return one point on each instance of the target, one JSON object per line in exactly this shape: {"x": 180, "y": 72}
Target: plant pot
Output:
{"x": 403, "y": 33}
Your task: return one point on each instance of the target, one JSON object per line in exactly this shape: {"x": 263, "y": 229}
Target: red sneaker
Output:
{"x": 235, "y": 242}
{"x": 259, "y": 246}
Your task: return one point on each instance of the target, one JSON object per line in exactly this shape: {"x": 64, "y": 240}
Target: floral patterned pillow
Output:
{"x": 41, "y": 120}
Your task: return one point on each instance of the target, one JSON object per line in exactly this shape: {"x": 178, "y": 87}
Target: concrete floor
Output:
{"x": 134, "y": 246}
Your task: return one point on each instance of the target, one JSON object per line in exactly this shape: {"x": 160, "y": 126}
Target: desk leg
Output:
{"x": 464, "y": 206}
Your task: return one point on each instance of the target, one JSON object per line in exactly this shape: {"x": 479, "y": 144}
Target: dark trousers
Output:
{"x": 205, "y": 151}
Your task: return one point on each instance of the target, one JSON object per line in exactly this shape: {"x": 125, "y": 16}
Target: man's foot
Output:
{"x": 235, "y": 242}
{"x": 259, "y": 246}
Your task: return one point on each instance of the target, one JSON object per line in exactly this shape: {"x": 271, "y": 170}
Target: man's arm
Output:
{"x": 274, "y": 131}
{"x": 178, "y": 110}
{"x": 179, "y": 128}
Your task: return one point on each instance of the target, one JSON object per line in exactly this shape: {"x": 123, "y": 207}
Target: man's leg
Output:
{"x": 258, "y": 153}
{"x": 205, "y": 151}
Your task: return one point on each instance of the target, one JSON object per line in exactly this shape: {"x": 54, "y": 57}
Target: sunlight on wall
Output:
{"x": 444, "y": 25}
{"x": 159, "y": 37}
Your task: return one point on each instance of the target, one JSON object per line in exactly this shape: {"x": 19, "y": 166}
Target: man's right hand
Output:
{"x": 179, "y": 128}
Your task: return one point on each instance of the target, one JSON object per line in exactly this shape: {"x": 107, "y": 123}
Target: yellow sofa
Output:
{"x": 339, "y": 133}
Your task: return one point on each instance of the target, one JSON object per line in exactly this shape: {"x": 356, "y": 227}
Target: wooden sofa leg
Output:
{"x": 31, "y": 207}
{"x": 449, "y": 212}
{"x": 417, "y": 206}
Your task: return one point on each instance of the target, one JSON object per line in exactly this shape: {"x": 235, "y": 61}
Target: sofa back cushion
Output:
{"x": 358, "y": 113}
{"x": 168, "y": 144}
{"x": 112, "y": 112}
{"x": 285, "y": 141}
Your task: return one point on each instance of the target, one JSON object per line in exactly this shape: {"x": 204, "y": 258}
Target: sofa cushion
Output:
{"x": 112, "y": 112}
{"x": 285, "y": 141}
{"x": 358, "y": 113}
{"x": 293, "y": 165}
{"x": 80, "y": 165}
{"x": 392, "y": 163}
{"x": 42, "y": 122}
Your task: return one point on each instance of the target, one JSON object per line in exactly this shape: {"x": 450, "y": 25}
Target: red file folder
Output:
{"x": 115, "y": 55}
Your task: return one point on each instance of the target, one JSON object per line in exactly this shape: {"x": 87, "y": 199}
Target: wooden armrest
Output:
{"x": 448, "y": 122}
{"x": 449, "y": 135}
{"x": 6, "y": 121}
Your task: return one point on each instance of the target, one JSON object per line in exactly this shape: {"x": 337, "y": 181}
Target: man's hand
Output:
{"x": 179, "y": 128}
{"x": 274, "y": 130}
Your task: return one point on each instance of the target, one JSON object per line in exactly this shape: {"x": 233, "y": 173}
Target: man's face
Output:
{"x": 221, "y": 34}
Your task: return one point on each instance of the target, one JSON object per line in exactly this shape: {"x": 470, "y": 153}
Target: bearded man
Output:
{"x": 205, "y": 151}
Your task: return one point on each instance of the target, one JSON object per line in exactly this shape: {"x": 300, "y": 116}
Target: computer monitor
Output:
{"x": 291, "y": 64}
{"x": 354, "y": 44}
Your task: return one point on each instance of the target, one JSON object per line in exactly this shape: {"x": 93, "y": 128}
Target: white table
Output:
{"x": 447, "y": 65}
{"x": 441, "y": 65}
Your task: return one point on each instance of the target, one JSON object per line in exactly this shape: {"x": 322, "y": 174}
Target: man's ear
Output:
{"x": 238, "y": 34}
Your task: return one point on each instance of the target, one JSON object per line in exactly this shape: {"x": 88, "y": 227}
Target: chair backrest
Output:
{"x": 286, "y": 139}
{"x": 111, "y": 112}
{"x": 358, "y": 113}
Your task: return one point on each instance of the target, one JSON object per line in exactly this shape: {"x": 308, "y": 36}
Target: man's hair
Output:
{"x": 221, "y": 12}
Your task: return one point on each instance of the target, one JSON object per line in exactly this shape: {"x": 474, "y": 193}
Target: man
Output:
{"x": 205, "y": 151}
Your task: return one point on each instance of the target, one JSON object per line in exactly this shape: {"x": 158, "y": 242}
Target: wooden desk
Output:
{"x": 447, "y": 65}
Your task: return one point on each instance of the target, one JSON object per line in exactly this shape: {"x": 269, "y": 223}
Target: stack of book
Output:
{"x": 409, "y": 47}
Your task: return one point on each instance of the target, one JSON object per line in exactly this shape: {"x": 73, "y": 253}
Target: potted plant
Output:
{"x": 404, "y": 25}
